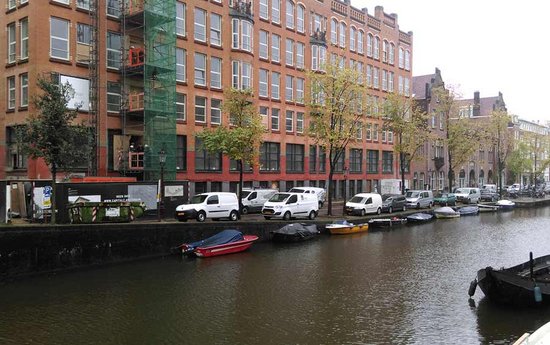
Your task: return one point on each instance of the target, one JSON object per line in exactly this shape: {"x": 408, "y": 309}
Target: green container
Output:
{"x": 105, "y": 212}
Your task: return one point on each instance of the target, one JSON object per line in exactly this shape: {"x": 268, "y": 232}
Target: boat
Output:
{"x": 539, "y": 337}
{"x": 343, "y": 227}
{"x": 488, "y": 208}
{"x": 505, "y": 205}
{"x": 419, "y": 217}
{"x": 468, "y": 210}
{"x": 386, "y": 222}
{"x": 446, "y": 212}
{"x": 526, "y": 284}
{"x": 225, "y": 242}
{"x": 295, "y": 232}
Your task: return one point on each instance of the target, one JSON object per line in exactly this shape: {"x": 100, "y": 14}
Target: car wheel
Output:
{"x": 234, "y": 216}
{"x": 312, "y": 215}
{"x": 390, "y": 210}
{"x": 267, "y": 218}
{"x": 245, "y": 210}
{"x": 363, "y": 212}
{"x": 379, "y": 211}
{"x": 201, "y": 216}
{"x": 286, "y": 216}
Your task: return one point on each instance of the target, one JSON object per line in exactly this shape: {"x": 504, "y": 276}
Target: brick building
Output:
{"x": 148, "y": 75}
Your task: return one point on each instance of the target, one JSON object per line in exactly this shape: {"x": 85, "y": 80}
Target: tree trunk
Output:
{"x": 54, "y": 194}
{"x": 450, "y": 174}
{"x": 329, "y": 192}
{"x": 402, "y": 168}
{"x": 240, "y": 191}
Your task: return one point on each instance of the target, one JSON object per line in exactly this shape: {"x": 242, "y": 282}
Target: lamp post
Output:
{"x": 162, "y": 161}
{"x": 345, "y": 190}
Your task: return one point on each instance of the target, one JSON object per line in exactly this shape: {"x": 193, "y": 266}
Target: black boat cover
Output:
{"x": 297, "y": 229}
{"x": 225, "y": 236}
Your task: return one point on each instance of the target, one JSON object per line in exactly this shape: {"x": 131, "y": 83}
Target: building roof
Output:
{"x": 419, "y": 85}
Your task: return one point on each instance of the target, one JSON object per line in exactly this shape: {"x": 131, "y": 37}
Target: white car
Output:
{"x": 209, "y": 205}
{"x": 291, "y": 205}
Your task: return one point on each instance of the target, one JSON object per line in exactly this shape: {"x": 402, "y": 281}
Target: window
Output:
{"x": 83, "y": 34}
{"x": 11, "y": 4}
{"x": 334, "y": 31}
{"x": 342, "y": 35}
{"x": 24, "y": 80}
{"x": 384, "y": 80}
{"x": 355, "y": 160}
{"x": 200, "y": 69}
{"x": 294, "y": 158}
{"x": 180, "y": 18}
{"x": 375, "y": 75}
{"x": 369, "y": 75}
{"x": 264, "y": 10}
{"x": 368, "y": 133}
{"x": 401, "y": 58}
{"x": 215, "y": 29}
{"x": 113, "y": 97}
{"x": 407, "y": 60}
{"x": 300, "y": 18}
{"x": 114, "y": 54}
{"x": 215, "y": 111}
{"x": 275, "y": 119}
{"x": 375, "y": 132}
{"x": 180, "y": 65}
{"x": 369, "y": 45}
{"x": 289, "y": 121}
{"x": 352, "y": 36}
{"x": 263, "y": 83}
{"x": 376, "y": 48}
{"x": 181, "y": 106}
{"x": 264, "y": 114}
{"x": 289, "y": 14}
{"x": 84, "y": 4}
{"x": 241, "y": 75}
{"x": 315, "y": 57}
{"x": 322, "y": 159}
{"x": 372, "y": 161}
{"x": 300, "y": 90}
{"x": 390, "y": 81}
{"x": 385, "y": 51}
{"x": 275, "y": 48}
{"x": 181, "y": 152}
{"x": 200, "y": 25}
{"x": 315, "y": 23}
{"x": 113, "y": 8}
{"x": 300, "y": 49}
{"x": 269, "y": 156}
{"x": 216, "y": 72}
{"x": 200, "y": 109}
{"x": 390, "y": 137}
{"x": 276, "y": 11}
{"x": 11, "y": 92}
{"x": 206, "y": 161}
{"x": 246, "y": 31}
{"x": 289, "y": 88}
{"x": 275, "y": 82}
{"x": 246, "y": 75}
{"x": 358, "y": 130}
{"x": 59, "y": 38}
{"x": 360, "y": 42}
{"x": 24, "y": 35}
{"x": 11, "y": 43}
{"x": 387, "y": 161}
{"x": 299, "y": 122}
{"x": 289, "y": 56}
{"x": 312, "y": 158}
{"x": 391, "y": 55}
{"x": 264, "y": 50}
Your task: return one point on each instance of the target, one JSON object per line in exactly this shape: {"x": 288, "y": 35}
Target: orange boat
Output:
{"x": 343, "y": 227}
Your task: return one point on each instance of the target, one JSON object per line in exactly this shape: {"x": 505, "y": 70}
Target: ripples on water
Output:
{"x": 407, "y": 286}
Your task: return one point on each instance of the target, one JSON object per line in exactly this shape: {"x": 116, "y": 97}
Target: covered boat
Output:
{"x": 343, "y": 227}
{"x": 468, "y": 210}
{"x": 487, "y": 208}
{"x": 419, "y": 217}
{"x": 505, "y": 205}
{"x": 446, "y": 212}
{"x": 526, "y": 284}
{"x": 386, "y": 222}
{"x": 225, "y": 242}
{"x": 295, "y": 232}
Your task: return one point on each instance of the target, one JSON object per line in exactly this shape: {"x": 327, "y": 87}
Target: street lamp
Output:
{"x": 345, "y": 189}
{"x": 162, "y": 161}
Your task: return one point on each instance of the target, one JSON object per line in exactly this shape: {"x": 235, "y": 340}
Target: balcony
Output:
{"x": 242, "y": 9}
{"x": 318, "y": 37}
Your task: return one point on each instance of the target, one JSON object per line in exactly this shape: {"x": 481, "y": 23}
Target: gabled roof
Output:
{"x": 419, "y": 85}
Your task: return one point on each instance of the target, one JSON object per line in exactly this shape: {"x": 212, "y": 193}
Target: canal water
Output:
{"x": 405, "y": 286}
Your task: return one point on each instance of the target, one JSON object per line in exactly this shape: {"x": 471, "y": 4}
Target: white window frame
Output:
{"x": 24, "y": 88}
{"x": 197, "y": 106}
{"x": 391, "y": 55}
{"x": 181, "y": 9}
{"x": 342, "y": 41}
{"x": 352, "y": 37}
{"x": 275, "y": 85}
{"x": 375, "y": 77}
{"x": 289, "y": 121}
{"x": 276, "y": 11}
{"x": 215, "y": 74}
{"x": 401, "y": 58}
{"x": 215, "y": 32}
{"x": 407, "y": 60}
{"x": 299, "y": 122}
{"x": 235, "y": 33}
{"x": 12, "y": 42}
{"x": 181, "y": 65}
{"x": 246, "y": 75}
{"x": 264, "y": 9}
{"x": 264, "y": 45}
{"x": 289, "y": 11}
{"x": 275, "y": 119}
{"x": 300, "y": 84}
{"x": 275, "y": 48}
{"x": 215, "y": 119}
{"x": 289, "y": 88}
{"x": 235, "y": 74}
{"x": 263, "y": 83}
{"x": 11, "y": 4}
{"x": 116, "y": 57}
{"x": 376, "y": 43}
{"x": 246, "y": 36}
{"x": 184, "y": 104}
{"x": 24, "y": 38}
{"x": 199, "y": 29}
{"x": 300, "y": 18}
{"x": 113, "y": 8}
{"x": 300, "y": 51}
{"x": 199, "y": 71}
{"x": 60, "y": 39}
{"x": 11, "y": 92}
{"x": 334, "y": 31}
{"x": 360, "y": 38}
{"x": 314, "y": 57}
{"x": 370, "y": 39}
{"x": 289, "y": 52}
{"x": 390, "y": 81}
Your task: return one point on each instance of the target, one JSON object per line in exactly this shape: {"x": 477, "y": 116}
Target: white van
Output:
{"x": 209, "y": 205}
{"x": 320, "y": 192}
{"x": 364, "y": 203}
{"x": 468, "y": 195}
{"x": 419, "y": 198}
{"x": 291, "y": 205}
{"x": 254, "y": 199}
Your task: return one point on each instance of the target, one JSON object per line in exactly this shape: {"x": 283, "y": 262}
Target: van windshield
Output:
{"x": 462, "y": 191}
{"x": 198, "y": 199}
{"x": 412, "y": 195}
{"x": 245, "y": 193}
{"x": 296, "y": 190}
{"x": 279, "y": 197}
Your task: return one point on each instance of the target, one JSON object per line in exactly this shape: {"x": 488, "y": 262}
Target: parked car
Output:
{"x": 209, "y": 205}
{"x": 254, "y": 199}
{"x": 468, "y": 195}
{"x": 364, "y": 203}
{"x": 419, "y": 198}
{"x": 513, "y": 188}
{"x": 320, "y": 192}
{"x": 291, "y": 205}
{"x": 445, "y": 199}
{"x": 488, "y": 193}
{"x": 391, "y": 202}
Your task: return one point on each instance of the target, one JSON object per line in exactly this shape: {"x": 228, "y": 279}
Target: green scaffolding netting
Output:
{"x": 160, "y": 87}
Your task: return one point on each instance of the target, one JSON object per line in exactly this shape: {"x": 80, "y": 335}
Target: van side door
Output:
{"x": 253, "y": 199}
{"x": 213, "y": 207}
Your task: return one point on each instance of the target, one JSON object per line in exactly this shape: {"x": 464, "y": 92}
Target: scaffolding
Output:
{"x": 93, "y": 113}
{"x": 155, "y": 66}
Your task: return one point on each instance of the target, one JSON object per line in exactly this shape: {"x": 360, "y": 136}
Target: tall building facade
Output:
{"x": 150, "y": 74}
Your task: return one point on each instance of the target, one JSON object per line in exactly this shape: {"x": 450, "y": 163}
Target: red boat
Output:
{"x": 225, "y": 242}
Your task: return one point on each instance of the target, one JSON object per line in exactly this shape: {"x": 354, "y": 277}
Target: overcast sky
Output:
{"x": 483, "y": 45}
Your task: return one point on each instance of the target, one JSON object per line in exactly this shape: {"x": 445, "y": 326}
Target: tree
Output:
{"x": 501, "y": 139}
{"x": 519, "y": 162}
{"x": 409, "y": 125}
{"x": 240, "y": 136}
{"x": 336, "y": 106}
{"x": 52, "y": 133}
